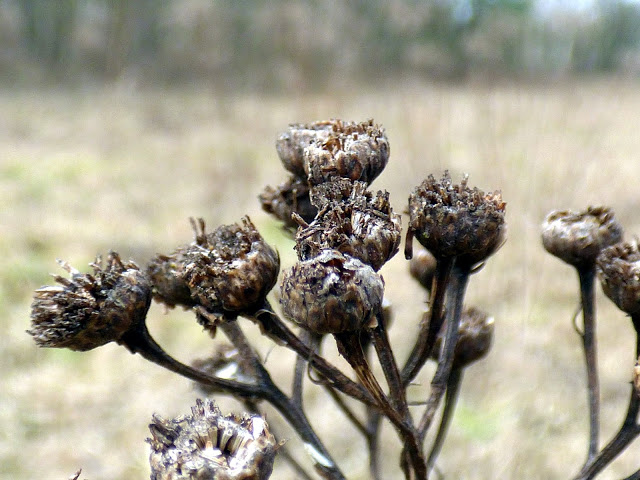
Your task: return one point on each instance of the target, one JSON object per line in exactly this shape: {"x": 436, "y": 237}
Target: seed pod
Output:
{"x": 89, "y": 310}
{"x": 332, "y": 293}
{"x": 291, "y": 144}
{"x": 618, "y": 268}
{"x": 475, "y": 335}
{"x": 423, "y": 267}
{"x": 166, "y": 273}
{"x": 209, "y": 445}
{"x": 578, "y": 238}
{"x": 352, "y": 222}
{"x": 453, "y": 220}
{"x": 289, "y": 198}
{"x": 232, "y": 269}
{"x": 357, "y": 151}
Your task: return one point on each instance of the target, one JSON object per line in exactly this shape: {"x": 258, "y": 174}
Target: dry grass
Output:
{"x": 91, "y": 170}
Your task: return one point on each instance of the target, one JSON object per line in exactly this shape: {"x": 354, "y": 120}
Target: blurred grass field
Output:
{"x": 87, "y": 170}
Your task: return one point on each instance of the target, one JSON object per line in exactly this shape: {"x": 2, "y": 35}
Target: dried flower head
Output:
{"x": 291, "y": 144}
{"x": 357, "y": 151}
{"x": 87, "y": 310}
{"x": 578, "y": 238}
{"x": 212, "y": 446}
{"x": 166, "y": 273}
{"x": 289, "y": 198}
{"x": 226, "y": 363}
{"x": 332, "y": 293}
{"x": 423, "y": 267}
{"x": 618, "y": 267}
{"x": 352, "y": 221}
{"x": 232, "y": 269}
{"x": 453, "y": 220}
{"x": 475, "y": 334}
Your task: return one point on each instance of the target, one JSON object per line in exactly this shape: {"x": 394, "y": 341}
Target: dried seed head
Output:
{"x": 89, "y": 310}
{"x": 578, "y": 238}
{"x": 291, "y": 144}
{"x": 289, "y": 198}
{"x": 166, "y": 273}
{"x": 353, "y": 222}
{"x": 423, "y": 267}
{"x": 475, "y": 334}
{"x": 231, "y": 269}
{"x": 212, "y": 446}
{"x": 618, "y": 267}
{"x": 225, "y": 363}
{"x": 357, "y": 151}
{"x": 453, "y": 220}
{"x": 332, "y": 293}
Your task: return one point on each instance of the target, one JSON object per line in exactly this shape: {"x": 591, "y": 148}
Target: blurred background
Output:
{"x": 119, "y": 120}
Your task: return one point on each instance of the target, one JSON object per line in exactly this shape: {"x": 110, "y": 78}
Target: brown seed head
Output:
{"x": 453, "y": 220}
{"x": 618, "y": 267}
{"x": 231, "y": 269}
{"x": 166, "y": 273}
{"x": 89, "y": 310}
{"x": 357, "y": 151}
{"x": 291, "y": 144}
{"x": 332, "y": 293}
{"x": 352, "y": 221}
{"x": 226, "y": 363}
{"x": 289, "y": 198}
{"x": 212, "y": 446}
{"x": 475, "y": 335}
{"x": 423, "y": 267}
{"x": 578, "y": 238}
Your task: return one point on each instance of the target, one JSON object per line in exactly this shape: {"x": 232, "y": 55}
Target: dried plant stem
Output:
{"x": 629, "y": 430}
{"x": 457, "y": 287}
{"x": 374, "y": 420}
{"x": 350, "y": 348}
{"x": 587, "y": 277}
{"x": 634, "y": 476}
{"x": 430, "y": 326}
{"x": 313, "y": 341}
{"x": 275, "y": 328}
{"x": 450, "y": 400}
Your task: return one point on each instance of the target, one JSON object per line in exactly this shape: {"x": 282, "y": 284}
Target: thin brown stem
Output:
{"x": 587, "y": 276}
{"x": 301, "y": 367}
{"x": 431, "y": 324}
{"x": 634, "y": 476}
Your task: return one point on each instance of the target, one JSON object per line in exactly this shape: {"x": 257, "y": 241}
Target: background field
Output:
{"x": 86, "y": 170}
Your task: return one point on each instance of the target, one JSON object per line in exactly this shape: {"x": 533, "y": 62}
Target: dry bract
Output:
{"x": 89, "y": 310}
{"x": 332, "y": 293}
{"x": 289, "y": 198}
{"x": 212, "y": 446}
{"x": 578, "y": 237}
{"x": 619, "y": 273}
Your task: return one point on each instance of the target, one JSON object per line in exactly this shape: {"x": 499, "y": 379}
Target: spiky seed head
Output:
{"x": 87, "y": 310}
{"x": 618, "y": 268}
{"x": 453, "y": 220}
{"x": 475, "y": 335}
{"x": 578, "y": 237}
{"x": 357, "y": 151}
{"x": 289, "y": 198}
{"x": 352, "y": 221}
{"x": 332, "y": 293}
{"x": 291, "y": 144}
{"x": 210, "y": 445}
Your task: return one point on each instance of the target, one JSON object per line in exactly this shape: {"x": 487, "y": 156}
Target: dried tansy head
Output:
{"x": 291, "y": 144}
{"x": 332, "y": 293}
{"x": 233, "y": 269}
{"x": 357, "y": 151}
{"x": 453, "y": 220}
{"x": 354, "y": 222}
{"x": 226, "y": 363}
{"x": 87, "y": 310}
{"x": 475, "y": 335}
{"x": 166, "y": 273}
{"x": 423, "y": 267}
{"x": 289, "y": 198}
{"x": 578, "y": 237}
{"x": 212, "y": 446}
{"x": 618, "y": 268}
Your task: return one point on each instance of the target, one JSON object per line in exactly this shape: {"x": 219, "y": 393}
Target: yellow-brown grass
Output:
{"x": 86, "y": 171}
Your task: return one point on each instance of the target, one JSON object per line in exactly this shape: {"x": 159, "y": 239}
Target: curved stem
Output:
{"x": 458, "y": 285}
{"x": 634, "y": 476}
{"x": 430, "y": 326}
{"x": 450, "y": 400}
{"x": 587, "y": 276}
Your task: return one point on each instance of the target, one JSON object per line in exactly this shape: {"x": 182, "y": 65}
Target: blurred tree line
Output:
{"x": 271, "y": 44}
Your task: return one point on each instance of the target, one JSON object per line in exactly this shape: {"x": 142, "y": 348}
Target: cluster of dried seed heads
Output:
{"x": 209, "y": 445}
{"x": 87, "y": 310}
